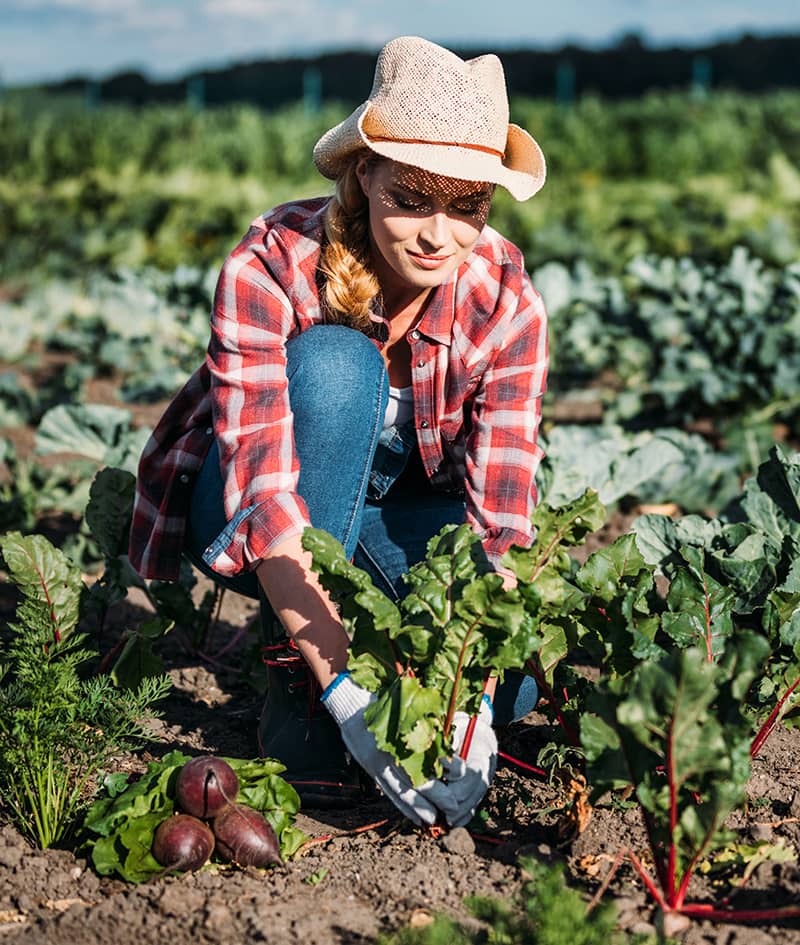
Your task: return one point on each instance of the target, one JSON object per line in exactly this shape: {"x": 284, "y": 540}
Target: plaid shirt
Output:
{"x": 479, "y": 364}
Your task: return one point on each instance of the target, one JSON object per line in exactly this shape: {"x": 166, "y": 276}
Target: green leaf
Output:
{"x": 137, "y": 660}
{"x": 617, "y": 626}
{"x": 606, "y": 569}
{"x": 554, "y": 647}
{"x": 700, "y": 608}
{"x": 675, "y": 727}
{"x": 772, "y": 499}
{"x": 152, "y": 792}
{"x": 555, "y": 528}
{"x": 602, "y": 747}
{"x": 98, "y": 431}
{"x": 51, "y": 584}
{"x": 109, "y": 511}
{"x": 406, "y": 720}
{"x": 363, "y": 606}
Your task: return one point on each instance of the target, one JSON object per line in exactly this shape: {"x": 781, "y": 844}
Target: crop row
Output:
{"x": 164, "y": 186}
{"x": 669, "y": 342}
{"x": 661, "y": 136}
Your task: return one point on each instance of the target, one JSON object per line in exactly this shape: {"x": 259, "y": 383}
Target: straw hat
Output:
{"x": 433, "y": 110}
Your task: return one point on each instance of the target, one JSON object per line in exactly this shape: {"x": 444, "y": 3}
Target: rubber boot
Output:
{"x": 297, "y": 730}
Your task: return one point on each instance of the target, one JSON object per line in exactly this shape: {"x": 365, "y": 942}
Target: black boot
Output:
{"x": 296, "y": 729}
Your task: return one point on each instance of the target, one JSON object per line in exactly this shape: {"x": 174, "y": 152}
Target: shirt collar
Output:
{"x": 437, "y": 319}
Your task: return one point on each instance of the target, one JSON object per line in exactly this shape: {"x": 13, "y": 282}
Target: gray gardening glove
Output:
{"x": 468, "y": 780}
{"x": 346, "y": 702}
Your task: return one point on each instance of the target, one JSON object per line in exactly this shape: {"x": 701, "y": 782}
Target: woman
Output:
{"x": 375, "y": 369}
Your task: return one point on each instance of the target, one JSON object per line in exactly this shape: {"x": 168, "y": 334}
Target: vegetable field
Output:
{"x": 654, "y": 793}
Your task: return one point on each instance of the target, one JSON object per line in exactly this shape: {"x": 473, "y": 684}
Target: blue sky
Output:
{"x": 51, "y": 39}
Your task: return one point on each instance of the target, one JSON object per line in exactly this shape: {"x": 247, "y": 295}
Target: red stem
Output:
{"x": 214, "y": 658}
{"x": 606, "y": 881}
{"x": 51, "y": 605}
{"x": 658, "y": 859}
{"x": 696, "y": 910}
{"x": 108, "y": 659}
{"x": 701, "y": 911}
{"x": 465, "y": 747}
{"x": 766, "y": 729}
{"x": 689, "y": 872}
{"x": 672, "y": 860}
{"x": 521, "y": 764}
{"x": 547, "y": 692}
{"x": 326, "y": 837}
{"x": 655, "y": 892}
{"x": 486, "y": 838}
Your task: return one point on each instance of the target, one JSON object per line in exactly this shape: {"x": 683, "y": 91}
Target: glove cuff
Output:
{"x": 343, "y": 698}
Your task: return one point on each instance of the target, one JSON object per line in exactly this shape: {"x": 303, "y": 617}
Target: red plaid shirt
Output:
{"x": 479, "y": 364}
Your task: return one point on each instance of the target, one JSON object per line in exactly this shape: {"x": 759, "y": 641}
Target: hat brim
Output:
{"x": 521, "y": 171}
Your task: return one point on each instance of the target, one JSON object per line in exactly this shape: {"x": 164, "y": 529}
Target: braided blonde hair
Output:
{"x": 350, "y": 285}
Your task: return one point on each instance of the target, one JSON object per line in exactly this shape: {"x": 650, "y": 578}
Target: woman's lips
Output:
{"x": 428, "y": 262}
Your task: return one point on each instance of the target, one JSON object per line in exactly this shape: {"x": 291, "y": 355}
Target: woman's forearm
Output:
{"x": 304, "y": 608}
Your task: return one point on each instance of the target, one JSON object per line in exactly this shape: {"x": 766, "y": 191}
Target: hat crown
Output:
{"x": 430, "y": 109}
{"x": 424, "y": 92}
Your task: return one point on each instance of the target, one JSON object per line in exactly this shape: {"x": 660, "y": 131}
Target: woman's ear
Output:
{"x": 363, "y": 173}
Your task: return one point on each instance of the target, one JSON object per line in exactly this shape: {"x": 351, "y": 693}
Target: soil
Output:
{"x": 355, "y": 884}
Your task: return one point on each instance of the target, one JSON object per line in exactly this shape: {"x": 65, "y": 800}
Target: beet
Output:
{"x": 182, "y": 842}
{"x": 205, "y": 786}
{"x": 246, "y": 837}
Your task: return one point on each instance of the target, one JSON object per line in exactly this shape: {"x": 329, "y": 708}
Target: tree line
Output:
{"x": 629, "y": 68}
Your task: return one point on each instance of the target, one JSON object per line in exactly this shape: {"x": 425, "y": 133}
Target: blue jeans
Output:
{"x": 338, "y": 391}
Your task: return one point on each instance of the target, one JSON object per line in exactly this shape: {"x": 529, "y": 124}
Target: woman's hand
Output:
{"x": 469, "y": 779}
{"x": 509, "y": 580}
{"x": 347, "y": 702}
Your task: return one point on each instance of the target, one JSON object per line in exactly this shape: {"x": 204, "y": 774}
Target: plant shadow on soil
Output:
{"x": 352, "y": 887}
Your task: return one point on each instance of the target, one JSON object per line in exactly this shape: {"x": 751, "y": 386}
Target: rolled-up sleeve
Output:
{"x": 253, "y": 424}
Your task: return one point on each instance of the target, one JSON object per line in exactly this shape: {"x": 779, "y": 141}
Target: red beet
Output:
{"x": 246, "y": 837}
{"x": 205, "y": 786}
{"x": 182, "y": 842}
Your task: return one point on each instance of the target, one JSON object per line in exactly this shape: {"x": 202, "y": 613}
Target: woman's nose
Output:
{"x": 436, "y": 231}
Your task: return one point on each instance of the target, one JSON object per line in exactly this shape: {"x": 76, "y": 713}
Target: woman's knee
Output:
{"x": 516, "y": 696}
{"x": 330, "y": 366}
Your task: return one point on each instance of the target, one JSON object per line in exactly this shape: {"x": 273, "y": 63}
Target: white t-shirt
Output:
{"x": 400, "y": 407}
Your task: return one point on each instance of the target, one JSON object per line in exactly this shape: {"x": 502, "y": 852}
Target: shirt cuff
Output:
{"x": 248, "y": 537}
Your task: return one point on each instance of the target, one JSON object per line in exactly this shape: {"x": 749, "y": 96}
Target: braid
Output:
{"x": 350, "y": 285}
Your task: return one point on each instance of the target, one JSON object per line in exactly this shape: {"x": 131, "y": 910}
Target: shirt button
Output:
{"x": 415, "y": 334}
{"x": 420, "y": 364}
{"x": 209, "y": 431}
{"x": 424, "y": 424}
{"x": 184, "y": 478}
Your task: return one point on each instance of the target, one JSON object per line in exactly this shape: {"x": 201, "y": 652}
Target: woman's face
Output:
{"x": 422, "y": 225}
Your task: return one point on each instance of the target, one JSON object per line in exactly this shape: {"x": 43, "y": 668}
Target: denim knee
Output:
{"x": 516, "y": 696}
{"x": 331, "y": 368}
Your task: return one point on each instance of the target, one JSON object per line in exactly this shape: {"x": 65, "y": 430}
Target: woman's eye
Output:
{"x": 470, "y": 209}
{"x": 405, "y": 204}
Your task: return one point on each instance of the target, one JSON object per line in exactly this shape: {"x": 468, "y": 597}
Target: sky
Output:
{"x": 44, "y": 40}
